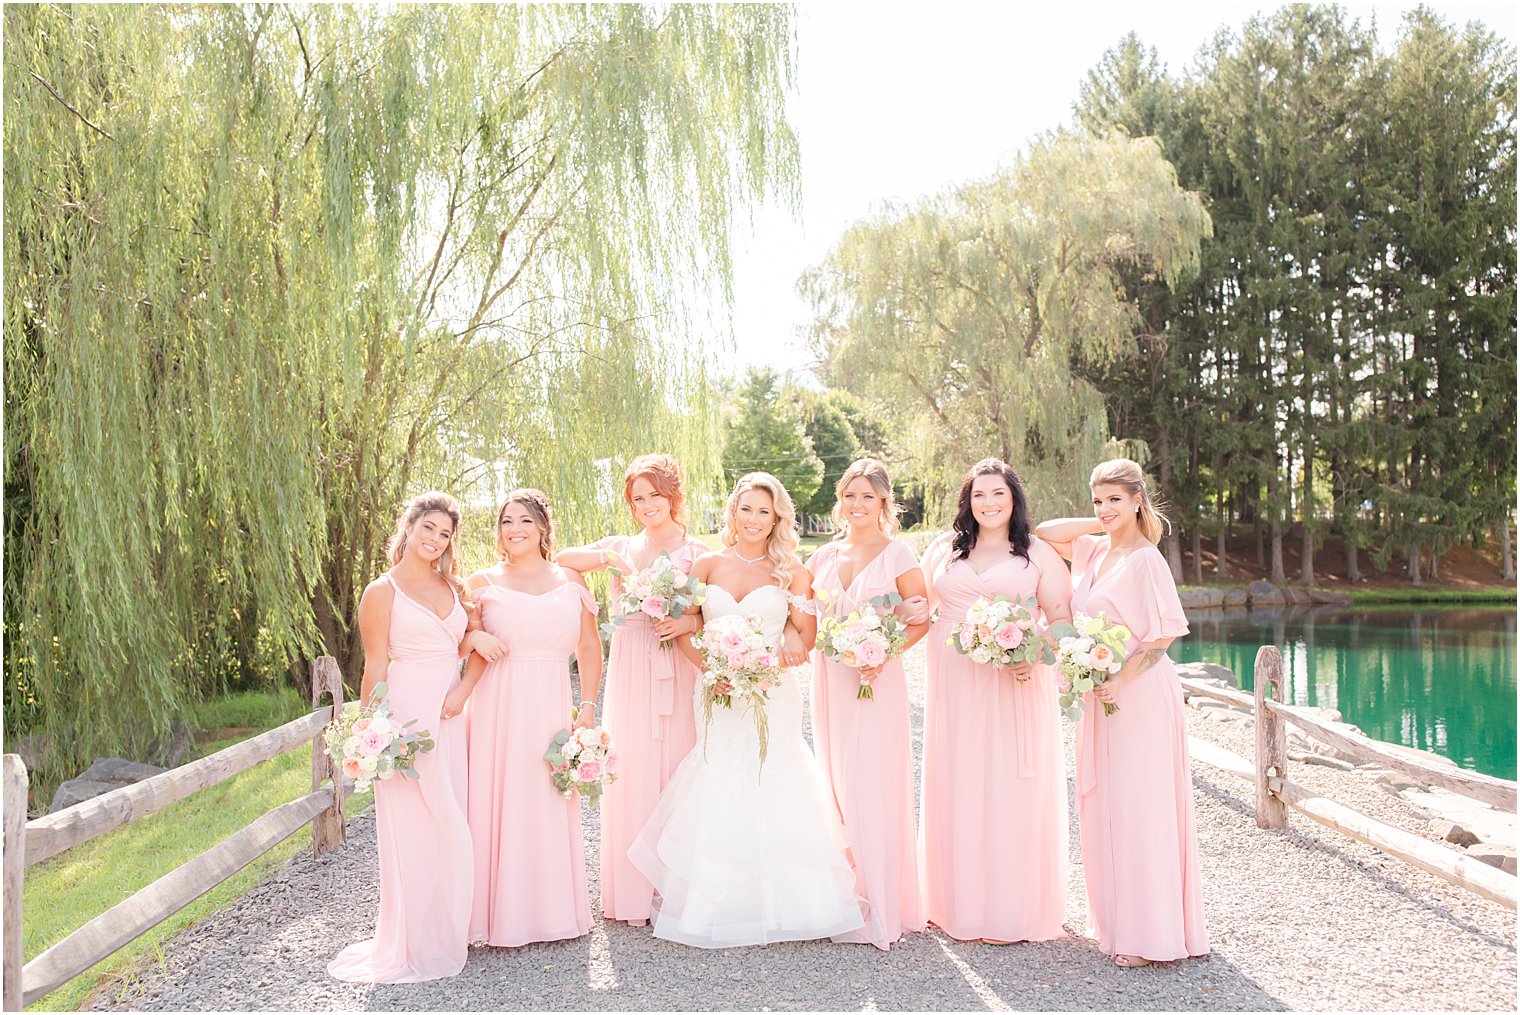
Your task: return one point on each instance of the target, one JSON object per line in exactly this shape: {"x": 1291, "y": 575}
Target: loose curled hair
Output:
{"x": 425, "y": 503}
{"x": 874, "y": 473}
{"x": 781, "y": 545}
{"x": 665, "y": 475}
{"x": 965, "y": 524}
{"x": 1123, "y": 472}
{"x": 537, "y": 503}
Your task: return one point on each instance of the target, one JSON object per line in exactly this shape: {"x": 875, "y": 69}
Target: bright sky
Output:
{"x": 895, "y": 101}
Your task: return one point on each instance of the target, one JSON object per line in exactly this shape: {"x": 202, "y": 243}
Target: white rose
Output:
{"x": 982, "y": 654}
{"x": 679, "y": 580}
{"x": 351, "y": 747}
{"x": 870, "y": 621}
{"x": 367, "y": 766}
{"x": 380, "y": 724}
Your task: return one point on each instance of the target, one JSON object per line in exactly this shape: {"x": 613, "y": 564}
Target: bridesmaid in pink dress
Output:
{"x": 993, "y": 836}
{"x": 865, "y": 745}
{"x": 529, "y": 860}
{"x": 649, "y": 684}
{"x": 1134, "y": 781}
{"x": 412, "y": 620}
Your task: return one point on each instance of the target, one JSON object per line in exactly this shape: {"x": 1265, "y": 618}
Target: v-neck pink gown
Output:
{"x": 420, "y": 829}
{"x": 1134, "y": 781}
{"x": 865, "y": 748}
{"x": 993, "y": 836}
{"x": 648, "y": 712}
{"x": 530, "y": 861}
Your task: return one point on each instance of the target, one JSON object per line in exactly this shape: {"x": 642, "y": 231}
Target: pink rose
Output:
{"x": 373, "y": 743}
{"x": 768, "y": 660}
{"x": 612, "y": 762}
{"x": 1101, "y": 656}
{"x": 732, "y": 643}
{"x": 589, "y": 771}
{"x": 606, "y": 738}
{"x": 361, "y": 725}
{"x": 871, "y": 653}
{"x": 351, "y": 767}
{"x": 654, "y": 607}
{"x": 766, "y": 684}
{"x": 1009, "y": 636}
{"x": 736, "y": 660}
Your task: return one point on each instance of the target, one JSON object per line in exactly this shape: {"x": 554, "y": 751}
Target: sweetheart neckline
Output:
{"x": 741, "y": 600}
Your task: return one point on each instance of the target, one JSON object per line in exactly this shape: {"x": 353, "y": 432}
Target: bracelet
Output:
{"x": 603, "y": 552}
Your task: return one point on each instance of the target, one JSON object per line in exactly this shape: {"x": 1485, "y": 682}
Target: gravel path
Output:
{"x": 1299, "y": 919}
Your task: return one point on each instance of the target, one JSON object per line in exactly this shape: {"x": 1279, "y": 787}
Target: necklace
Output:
{"x": 746, "y": 559}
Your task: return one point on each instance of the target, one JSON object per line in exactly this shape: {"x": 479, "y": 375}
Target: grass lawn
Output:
{"x": 1412, "y": 594}
{"x": 64, "y": 893}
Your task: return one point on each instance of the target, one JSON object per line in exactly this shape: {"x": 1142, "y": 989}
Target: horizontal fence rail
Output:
{"x": 26, "y": 843}
{"x": 1276, "y": 795}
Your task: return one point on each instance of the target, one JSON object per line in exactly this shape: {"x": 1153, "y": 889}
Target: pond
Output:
{"x": 1438, "y": 678}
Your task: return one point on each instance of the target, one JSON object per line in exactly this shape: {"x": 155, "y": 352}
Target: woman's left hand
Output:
{"x": 453, "y": 702}
{"x": 914, "y": 610}
{"x": 586, "y": 719}
{"x": 669, "y": 628}
{"x": 793, "y": 651}
{"x": 870, "y": 673}
{"x": 1104, "y": 692}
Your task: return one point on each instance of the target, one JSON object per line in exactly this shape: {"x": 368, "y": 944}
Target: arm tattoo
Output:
{"x": 1145, "y": 660}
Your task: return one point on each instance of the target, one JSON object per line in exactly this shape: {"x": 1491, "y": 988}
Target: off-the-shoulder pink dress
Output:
{"x": 530, "y": 863}
{"x": 994, "y": 829}
{"x": 648, "y": 712}
{"x": 422, "y": 837}
{"x": 1134, "y": 781}
{"x": 865, "y": 747}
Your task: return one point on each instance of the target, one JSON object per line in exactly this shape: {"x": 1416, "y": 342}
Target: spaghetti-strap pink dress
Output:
{"x": 993, "y": 838}
{"x": 530, "y": 861}
{"x": 1134, "y": 781}
{"x": 647, "y": 710}
{"x": 422, "y": 836}
{"x": 865, "y": 748}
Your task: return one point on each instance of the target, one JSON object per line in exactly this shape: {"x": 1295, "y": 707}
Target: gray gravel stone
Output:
{"x": 1399, "y": 938}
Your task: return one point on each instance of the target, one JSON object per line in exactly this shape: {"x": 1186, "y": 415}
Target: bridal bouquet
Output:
{"x": 370, "y": 745}
{"x": 868, "y": 636}
{"x": 735, "y": 651}
{"x": 1001, "y": 632}
{"x": 582, "y": 761}
{"x": 658, "y": 591}
{"x": 1092, "y": 652}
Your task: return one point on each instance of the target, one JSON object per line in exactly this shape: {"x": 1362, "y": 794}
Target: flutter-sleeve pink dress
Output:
{"x": 422, "y": 836}
{"x": 530, "y": 862}
{"x": 1134, "y": 781}
{"x": 993, "y": 839}
{"x": 865, "y": 749}
{"x": 648, "y": 713}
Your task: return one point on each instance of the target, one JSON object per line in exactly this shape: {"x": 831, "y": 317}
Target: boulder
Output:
{"x": 1502, "y": 857}
{"x": 1264, "y": 593}
{"x": 1397, "y": 782}
{"x": 1328, "y": 598}
{"x": 1210, "y": 673}
{"x": 1198, "y": 597}
{"x": 1236, "y": 597}
{"x": 1295, "y": 596}
{"x": 104, "y": 775}
{"x": 1324, "y": 760}
{"x": 1453, "y": 832}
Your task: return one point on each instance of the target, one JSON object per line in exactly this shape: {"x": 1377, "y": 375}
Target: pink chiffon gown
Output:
{"x": 530, "y": 862}
{"x": 1134, "y": 781}
{"x": 648, "y": 712}
{"x": 865, "y": 748}
{"x": 993, "y": 838}
{"x": 422, "y": 836}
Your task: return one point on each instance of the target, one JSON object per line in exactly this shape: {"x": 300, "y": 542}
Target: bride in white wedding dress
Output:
{"x": 740, "y": 852}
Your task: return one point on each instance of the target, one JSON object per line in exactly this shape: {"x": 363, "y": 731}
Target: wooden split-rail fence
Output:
{"x": 1275, "y": 795}
{"x": 28, "y": 842}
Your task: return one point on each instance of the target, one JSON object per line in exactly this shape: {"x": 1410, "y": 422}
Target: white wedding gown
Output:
{"x": 745, "y": 854}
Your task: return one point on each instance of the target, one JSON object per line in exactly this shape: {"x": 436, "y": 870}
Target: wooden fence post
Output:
{"x": 328, "y": 829}
{"x": 1271, "y": 739}
{"x": 14, "y": 862}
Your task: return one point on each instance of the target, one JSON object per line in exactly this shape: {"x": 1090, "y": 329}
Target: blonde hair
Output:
{"x": 781, "y": 545}
{"x": 425, "y": 503}
{"x": 1128, "y": 474}
{"x": 537, "y": 503}
{"x": 875, "y": 473}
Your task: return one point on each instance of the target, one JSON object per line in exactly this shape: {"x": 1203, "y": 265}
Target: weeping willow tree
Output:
{"x": 961, "y": 316}
{"x": 269, "y": 270}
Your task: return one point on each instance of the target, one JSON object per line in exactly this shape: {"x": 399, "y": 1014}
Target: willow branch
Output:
{"x": 65, "y": 102}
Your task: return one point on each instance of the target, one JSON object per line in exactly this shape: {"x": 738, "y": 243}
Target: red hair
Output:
{"x": 665, "y": 475}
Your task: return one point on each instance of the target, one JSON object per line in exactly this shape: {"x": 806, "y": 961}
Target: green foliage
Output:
{"x": 764, "y": 432}
{"x": 830, "y": 431}
{"x": 272, "y": 270}
{"x": 961, "y": 315}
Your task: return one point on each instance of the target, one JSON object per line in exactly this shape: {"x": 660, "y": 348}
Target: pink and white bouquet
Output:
{"x": 868, "y": 636}
{"x": 658, "y": 591}
{"x": 369, "y": 744}
{"x": 735, "y": 651}
{"x": 1001, "y": 632}
{"x": 582, "y": 761}
{"x": 1092, "y": 652}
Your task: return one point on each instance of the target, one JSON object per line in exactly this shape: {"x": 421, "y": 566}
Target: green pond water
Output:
{"x": 1441, "y": 678}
